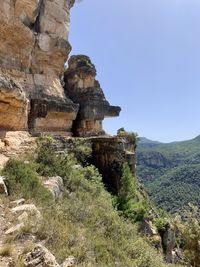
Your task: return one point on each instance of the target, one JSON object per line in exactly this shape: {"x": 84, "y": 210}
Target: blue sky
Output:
{"x": 147, "y": 55}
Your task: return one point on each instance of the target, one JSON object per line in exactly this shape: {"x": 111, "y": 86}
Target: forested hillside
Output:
{"x": 170, "y": 172}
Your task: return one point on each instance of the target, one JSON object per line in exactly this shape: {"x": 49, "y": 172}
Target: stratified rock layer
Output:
{"x": 83, "y": 89}
{"x": 33, "y": 50}
{"x": 109, "y": 154}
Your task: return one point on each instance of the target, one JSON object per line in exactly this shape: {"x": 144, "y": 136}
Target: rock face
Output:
{"x": 55, "y": 185}
{"x": 13, "y": 105}
{"x": 83, "y": 89}
{"x": 109, "y": 154}
{"x": 169, "y": 243}
{"x": 33, "y": 50}
{"x": 41, "y": 257}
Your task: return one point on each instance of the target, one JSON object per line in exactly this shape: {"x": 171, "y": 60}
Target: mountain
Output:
{"x": 147, "y": 142}
{"x": 170, "y": 172}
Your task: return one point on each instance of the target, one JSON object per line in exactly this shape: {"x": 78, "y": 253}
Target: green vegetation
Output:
{"x": 133, "y": 205}
{"x": 23, "y": 181}
{"x": 188, "y": 236}
{"x": 170, "y": 172}
{"x": 130, "y": 136}
{"x": 83, "y": 223}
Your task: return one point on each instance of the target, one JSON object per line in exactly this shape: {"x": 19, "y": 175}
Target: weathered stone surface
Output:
{"x": 3, "y": 188}
{"x": 146, "y": 228}
{"x": 13, "y": 105}
{"x": 69, "y": 262}
{"x": 169, "y": 244}
{"x": 33, "y": 50}
{"x": 18, "y": 202}
{"x": 83, "y": 89}
{"x": 109, "y": 153}
{"x": 29, "y": 208}
{"x": 55, "y": 185}
{"x": 14, "y": 229}
{"x": 27, "y": 11}
{"x": 40, "y": 257}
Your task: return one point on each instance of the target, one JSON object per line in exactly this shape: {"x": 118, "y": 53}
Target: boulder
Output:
{"x": 18, "y": 202}
{"x": 146, "y": 228}
{"x": 40, "y": 257}
{"x": 69, "y": 262}
{"x": 28, "y": 208}
{"x": 55, "y": 185}
{"x": 14, "y": 229}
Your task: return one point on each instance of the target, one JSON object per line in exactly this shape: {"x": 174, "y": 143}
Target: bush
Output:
{"x": 82, "y": 150}
{"x": 22, "y": 180}
{"x": 132, "y": 204}
{"x": 46, "y": 157}
{"x": 129, "y": 136}
{"x": 191, "y": 239}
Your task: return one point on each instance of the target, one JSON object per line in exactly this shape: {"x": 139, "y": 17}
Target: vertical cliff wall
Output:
{"x": 33, "y": 50}
{"x": 109, "y": 154}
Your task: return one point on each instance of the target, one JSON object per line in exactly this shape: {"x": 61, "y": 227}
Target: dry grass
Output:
{"x": 6, "y": 250}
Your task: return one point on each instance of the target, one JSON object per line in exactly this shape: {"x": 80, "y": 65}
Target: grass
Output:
{"x": 83, "y": 223}
{"x": 6, "y": 250}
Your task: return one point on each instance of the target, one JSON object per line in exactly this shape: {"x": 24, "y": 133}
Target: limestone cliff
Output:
{"x": 83, "y": 89}
{"x": 109, "y": 154}
{"x": 33, "y": 50}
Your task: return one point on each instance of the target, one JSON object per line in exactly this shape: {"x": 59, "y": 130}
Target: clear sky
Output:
{"x": 147, "y": 55}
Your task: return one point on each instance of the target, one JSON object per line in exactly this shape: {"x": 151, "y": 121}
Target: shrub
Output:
{"x": 130, "y": 202}
{"x": 130, "y": 136}
{"x": 191, "y": 239}
{"x": 46, "y": 157}
{"x": 22, "y": 180}
{"x": 82, "y": 150}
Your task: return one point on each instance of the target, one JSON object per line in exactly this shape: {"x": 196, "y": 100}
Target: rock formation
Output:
{"x": 83, "y": 89}
{"x": 33, "y": 50}
{"x": 40, "y": 256}
{"x": 109, "y": 154}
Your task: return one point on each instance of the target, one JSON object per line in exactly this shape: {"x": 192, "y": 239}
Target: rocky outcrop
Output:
{"x": 55, "y": 185}
{"x": 3, "y": 188}
{"x": 33, "y": 50}
{"x": 83, "y": 89}
{"x": 41, "y": 257}
{"x": 109, "y": 154}
{"x": 169, "y": 243}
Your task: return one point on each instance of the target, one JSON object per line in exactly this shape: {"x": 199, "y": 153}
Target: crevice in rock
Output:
{"x": 40, "y": 10}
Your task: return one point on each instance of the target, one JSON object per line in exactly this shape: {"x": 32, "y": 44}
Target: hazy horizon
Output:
{"x": 147, "y": 55}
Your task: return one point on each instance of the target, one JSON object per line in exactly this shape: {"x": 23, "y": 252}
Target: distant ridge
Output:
{"x": 170, "y": 172}
{"x": 144, "y": 140}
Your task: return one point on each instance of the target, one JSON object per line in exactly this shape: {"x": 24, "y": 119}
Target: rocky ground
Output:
{"x": 19, "y": 245}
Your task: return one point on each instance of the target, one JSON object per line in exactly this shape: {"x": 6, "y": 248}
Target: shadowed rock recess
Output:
{"x": 33, "y": 49}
